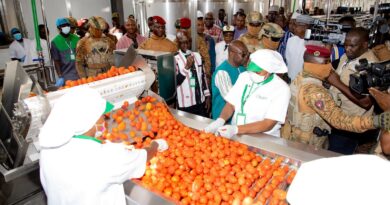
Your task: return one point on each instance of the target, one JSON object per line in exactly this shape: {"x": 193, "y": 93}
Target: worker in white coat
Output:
{"x": 75, "y": 167}
{"x": 21, "y": 49}
{"x": 258, "y": 101}
{"x": 352, "y": 179}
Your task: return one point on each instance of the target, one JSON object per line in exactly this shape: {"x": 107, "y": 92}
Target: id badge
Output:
{"x": 192, "y": 82}
{"x": 72, "y": 57}
{"x": 241, "y": 119}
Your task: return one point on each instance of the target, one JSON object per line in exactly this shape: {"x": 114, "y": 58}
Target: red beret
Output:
{"x": 158, "y": 19}
{"x": 185, "y": 23}
{"x": 317, "y": 51}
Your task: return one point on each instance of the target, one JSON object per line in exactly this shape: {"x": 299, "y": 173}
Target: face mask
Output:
{"x": 268, "y": 43}
{"x": 319, "y": 71}
{"x": 65, "y": 30}
{"x": 253, "y": 30}
{"x": 99, "y": 132}
{"x": 17, "y": 36}
{"x": 256, "y": 78}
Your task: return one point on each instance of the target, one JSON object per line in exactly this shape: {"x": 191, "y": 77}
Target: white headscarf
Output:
{"x": 269, "y": 60}
{"x": 354, "y": 179}
{"x": 73, "y": 114}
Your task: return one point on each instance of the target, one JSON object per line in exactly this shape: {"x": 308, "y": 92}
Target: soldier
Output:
{"x": 158, "y": 41}
{"x": 251, "y": 38}
{"x": 94, "y": 53}
{"x": 270, "y": 36}
{"x": 312, "y": 110}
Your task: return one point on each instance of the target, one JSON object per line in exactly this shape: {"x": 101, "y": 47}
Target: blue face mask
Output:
{"x": 17, "y": 36}
{"x": 65, "y": 30}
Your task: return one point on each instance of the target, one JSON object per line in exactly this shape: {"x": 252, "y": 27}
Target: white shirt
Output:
{"x": 221, "y": 53}
{"x": 267, "y": 101}
{"x": 295, "y": 50}
{"x": 84, "y": 172}
{"x": 45, "y": 51}
{"x": 22, "y": 51}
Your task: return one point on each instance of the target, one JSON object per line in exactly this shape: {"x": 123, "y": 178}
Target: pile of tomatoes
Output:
{"x": 113, "y": 71}
{"x": 198, "y": 167}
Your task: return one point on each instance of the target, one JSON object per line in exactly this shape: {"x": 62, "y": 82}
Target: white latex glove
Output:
{"x": 213, "y": 127}
{"x": 228, "y": 131}
{"x": 162, "y": 145}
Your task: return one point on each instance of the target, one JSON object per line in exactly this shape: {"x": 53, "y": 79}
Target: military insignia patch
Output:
{"x": 319, "y": 104}
{"x": 317, "y": 53}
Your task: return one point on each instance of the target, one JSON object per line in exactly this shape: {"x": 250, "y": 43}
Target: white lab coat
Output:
{"x": 268, "y": 101}
{"x": 17, "y": 50}
{"x": 295, "y": 49}
{"x": 85, "y": 172}
{"x": 221, "y": 53}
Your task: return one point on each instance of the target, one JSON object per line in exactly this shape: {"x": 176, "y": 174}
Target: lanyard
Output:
{"x": 87, "y": 138}
{"x": 69, "y": 46}
{"x": 245, "y": 98}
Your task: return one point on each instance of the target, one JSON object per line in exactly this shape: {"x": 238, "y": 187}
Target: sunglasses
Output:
{"x": 274, "y": 39}
{"x": 255, "y": 24}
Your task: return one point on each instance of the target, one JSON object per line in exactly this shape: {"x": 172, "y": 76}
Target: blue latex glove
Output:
{"x": 60, "y": 82}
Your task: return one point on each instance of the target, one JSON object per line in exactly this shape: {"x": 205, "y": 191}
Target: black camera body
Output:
{"x": 327, "y": 33}
{"x": 370, "y": 75}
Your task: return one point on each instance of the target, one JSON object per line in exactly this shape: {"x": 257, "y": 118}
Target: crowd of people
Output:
{"x": 257, "y": 74}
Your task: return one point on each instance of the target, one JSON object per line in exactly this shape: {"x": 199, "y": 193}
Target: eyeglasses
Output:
{"x": 243, "y": 54}
{"x": 275, "y": 39}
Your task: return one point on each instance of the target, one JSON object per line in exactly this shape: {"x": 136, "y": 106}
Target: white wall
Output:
{"x": 57, "y": 8}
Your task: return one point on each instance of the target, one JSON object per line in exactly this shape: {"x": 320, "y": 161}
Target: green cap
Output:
{"x": 109, "y": 107}
{"x": 253, "y": 67}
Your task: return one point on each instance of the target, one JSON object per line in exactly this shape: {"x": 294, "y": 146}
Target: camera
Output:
{"x": 327, "y": 33}
{"x": 370, "y": 75}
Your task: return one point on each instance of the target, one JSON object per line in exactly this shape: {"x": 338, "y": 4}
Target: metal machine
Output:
{"x": 24, "y": 115}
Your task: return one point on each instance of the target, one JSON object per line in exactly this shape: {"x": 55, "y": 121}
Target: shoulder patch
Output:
{"x": 319, "y": 104}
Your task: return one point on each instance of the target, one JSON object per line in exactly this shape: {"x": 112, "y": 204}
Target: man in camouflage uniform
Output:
{"x": 270, "y": 35}
{"x": 94, "y": 53}
{"x": 251, "y": 38}
{"x": 158, "y": 40}
{"x": 312, "y": 109}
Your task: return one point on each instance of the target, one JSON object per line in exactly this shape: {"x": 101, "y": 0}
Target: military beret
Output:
{"x": 159, "y": 20}
{"x": 185, "y": 23}
{"x": 317, "y": 51}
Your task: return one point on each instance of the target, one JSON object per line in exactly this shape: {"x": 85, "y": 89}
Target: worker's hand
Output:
{"x": 382, "y": 98}
{"x": 60, "y": 82}
{"x": 382, "y": 121}
{"x": 213, "y": 127}
{"x": 162, "y": 145}
{"x": 333, "y": 78}
{"x": 190, "y": 62}
{"x": 228, "y": 131}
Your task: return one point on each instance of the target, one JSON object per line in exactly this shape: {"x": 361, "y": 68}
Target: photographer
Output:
{"x": 356, "y": 48}
{"x": 193, "y": 94}
{"x": 383, "y": 100}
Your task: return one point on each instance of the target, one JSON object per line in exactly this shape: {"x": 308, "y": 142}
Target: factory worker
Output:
{"x": 221, "y": 49}
{"x": 258, "y": 101}
{"x": 75, "y": 167}
{"x": 21, "y": 48}
{"x": 353, "y": 179}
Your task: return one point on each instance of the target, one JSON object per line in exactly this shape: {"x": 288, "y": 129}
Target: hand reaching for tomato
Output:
{"x": 162, "y": 145}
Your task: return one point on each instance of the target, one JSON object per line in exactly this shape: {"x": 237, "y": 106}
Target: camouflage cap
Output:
{"x": 72, "y": 21}
{"x": 271, "y": 30}
{"x": 255, "y": 17}
{"x": 97, "y": 22}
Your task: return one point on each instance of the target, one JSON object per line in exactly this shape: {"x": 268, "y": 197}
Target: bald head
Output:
{"x": 238, "y": 53}
{"x": 209, "y": 20}
{"x": 356, "y": 43}
{"x": 183, "y": 41}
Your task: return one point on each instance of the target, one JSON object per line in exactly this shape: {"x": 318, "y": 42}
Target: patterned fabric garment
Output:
{"x": 204, "y": 53}
{"x": 283, "y": 44}
{"x": 94, "y": 54}
{"x": 215, "y": 32}
{"x": 156, "y": 43}
{"x": 126, "y": 41}
{"x": 251, "y": 42}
